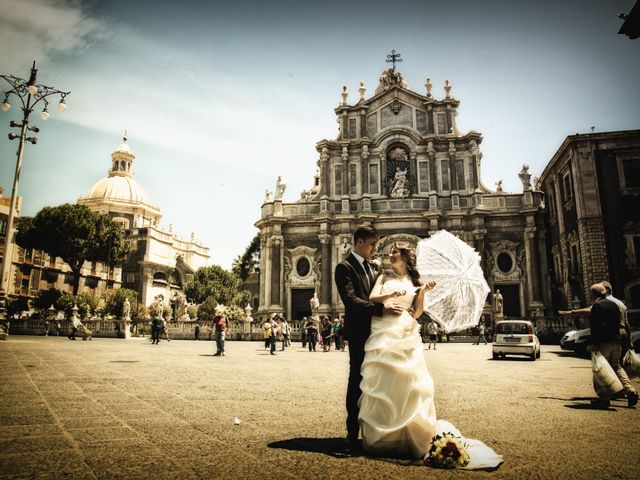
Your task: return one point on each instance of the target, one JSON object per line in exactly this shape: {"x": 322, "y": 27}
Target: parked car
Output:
{"x": 577, "y": 340}
{"x": 515, "y": 337}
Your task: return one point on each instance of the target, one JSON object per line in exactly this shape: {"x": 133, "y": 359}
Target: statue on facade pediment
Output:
{"x": 268, "y": 196}
{"x": 389, "y": 78}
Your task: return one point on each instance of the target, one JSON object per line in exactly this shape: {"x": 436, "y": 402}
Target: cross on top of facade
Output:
{"x": 393, "y": 58}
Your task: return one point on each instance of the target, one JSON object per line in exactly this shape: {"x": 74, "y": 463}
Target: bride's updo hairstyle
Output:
{"x": 408, "y": 254}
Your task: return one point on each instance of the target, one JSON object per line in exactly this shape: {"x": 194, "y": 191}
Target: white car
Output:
{"x": 515, "y": 337}
{"x": 577, "y": 340}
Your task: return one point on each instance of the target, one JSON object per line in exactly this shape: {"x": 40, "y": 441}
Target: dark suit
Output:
{"x": 354, "y": 290}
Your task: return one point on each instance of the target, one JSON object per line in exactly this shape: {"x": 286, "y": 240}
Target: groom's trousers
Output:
{"x": 356, "y": 357}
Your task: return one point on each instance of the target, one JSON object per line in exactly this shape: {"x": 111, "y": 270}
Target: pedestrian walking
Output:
{"x": 156, "y": 329}
{"x": 75, "y": 325}
{"x": 327, "y": 334}
{"x": 272, "y": 337}
{"x": 196, "y": 331}
{"x": 481, "y": 333}
{"x": 266, "y": 329}
{"x": 625, "y": 328}
{"x": 303, "y": 331}
{"x": 337, "y": 334}
{"x": 282, "y": 330}
{"x": 605, "y": 338}
{"x": 312, "y": 333}
{"x": 432, "y": 331}
{"x": 221, "y": 324}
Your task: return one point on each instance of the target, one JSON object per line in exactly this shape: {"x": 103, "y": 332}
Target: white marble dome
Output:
{"x": 121, "y": 188}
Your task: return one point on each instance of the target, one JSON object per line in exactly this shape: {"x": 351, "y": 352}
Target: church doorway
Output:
{"x": 300, "y": 306}
{"x": 511, "y": 299}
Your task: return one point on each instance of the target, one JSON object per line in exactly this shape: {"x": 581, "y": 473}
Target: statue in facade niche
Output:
{"x": 498, "y": 304}
{"x": 280, "y": 188}
{"x": 399, "y": 189}
{"x": 345, "y": 246}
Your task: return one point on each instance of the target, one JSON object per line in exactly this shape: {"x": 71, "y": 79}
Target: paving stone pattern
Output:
{"x": 117, "y": 409}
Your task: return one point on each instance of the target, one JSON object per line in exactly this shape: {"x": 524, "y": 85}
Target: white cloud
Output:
{"x": 41, "y": 29}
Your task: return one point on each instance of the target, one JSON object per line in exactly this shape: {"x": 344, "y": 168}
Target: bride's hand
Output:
{"x": 430, "y": 285}
{"x": 398, "y": 293}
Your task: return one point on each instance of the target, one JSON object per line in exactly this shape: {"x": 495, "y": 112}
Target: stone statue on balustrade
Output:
{"x": 280, "y": 188}
{"x": 126, "y": 309}
{"x": 247, "y": 313}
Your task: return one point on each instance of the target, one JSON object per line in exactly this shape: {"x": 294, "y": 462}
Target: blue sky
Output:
{"x": 220, "y": 99}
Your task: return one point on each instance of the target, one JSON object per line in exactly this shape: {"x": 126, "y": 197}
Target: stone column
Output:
{"x": 267, "y": 272}
{"x": 345, "y": 179}
{"x": 325, "y": 284}
{"x": 413, "y": 168}
{"x": 263, "y": 270}
{"x": 276, "y": 269}
{"x": 325, "y": 174}
{"x": 531, "y": 250}
{"x": 478, "y": 244}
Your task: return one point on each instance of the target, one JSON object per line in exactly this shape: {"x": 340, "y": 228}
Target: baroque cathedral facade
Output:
{"x": 401, "y": 164}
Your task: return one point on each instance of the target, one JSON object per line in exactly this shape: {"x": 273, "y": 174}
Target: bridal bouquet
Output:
{"x": 447, "y": 451}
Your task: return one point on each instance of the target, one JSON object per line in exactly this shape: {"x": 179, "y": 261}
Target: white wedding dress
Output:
{"x": 397, "y": 410}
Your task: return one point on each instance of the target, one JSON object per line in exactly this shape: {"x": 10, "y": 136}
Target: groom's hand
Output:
{"x": 394, "y": 308}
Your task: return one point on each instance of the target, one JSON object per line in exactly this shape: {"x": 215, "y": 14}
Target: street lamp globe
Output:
{"x": 62, "y": 106}
{"x": 32, "y": 89}
{"x": 5, "y": 106}
{"x": 44, "y": 114}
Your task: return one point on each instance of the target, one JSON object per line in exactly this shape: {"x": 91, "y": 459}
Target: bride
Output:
{"x": 397, "y": 410}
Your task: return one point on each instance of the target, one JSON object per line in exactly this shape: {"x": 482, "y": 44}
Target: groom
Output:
{"x": 355, "y": 278}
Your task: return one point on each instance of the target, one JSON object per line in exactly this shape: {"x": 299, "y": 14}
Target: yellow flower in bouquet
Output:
{"x": 447, "y": 451}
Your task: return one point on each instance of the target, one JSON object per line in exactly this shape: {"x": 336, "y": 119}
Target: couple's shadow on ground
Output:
{"x": 336, "y": 448}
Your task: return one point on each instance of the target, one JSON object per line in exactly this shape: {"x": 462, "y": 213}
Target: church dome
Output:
{"x": 121, "y": 188}
{"x": 120, "y": 193}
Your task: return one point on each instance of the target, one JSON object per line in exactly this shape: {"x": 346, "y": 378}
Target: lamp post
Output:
{"x": 30, "y": 94}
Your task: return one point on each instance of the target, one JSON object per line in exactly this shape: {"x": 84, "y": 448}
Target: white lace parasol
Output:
{"x": 456, "y": 301}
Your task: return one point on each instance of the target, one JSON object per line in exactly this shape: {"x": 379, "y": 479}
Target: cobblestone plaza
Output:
{"x": 127, "y": 409}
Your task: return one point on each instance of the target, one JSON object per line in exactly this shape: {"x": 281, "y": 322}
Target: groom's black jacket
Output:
{"x": 354, "y": 291}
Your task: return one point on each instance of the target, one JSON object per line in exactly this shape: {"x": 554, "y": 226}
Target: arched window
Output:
{"x": 160, "y": 277}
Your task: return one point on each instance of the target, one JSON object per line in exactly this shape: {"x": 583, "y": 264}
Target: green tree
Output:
{"x": 17, "y": 306}
{"x": 249, "y": 261}
{"x": 215, "y": 282}
{"x": 114, "y": 299}
{"x": 86, "y": 304}
{"x": 45, "y": 298}
{"x": 75, "y": 234}
{"x": 206, "y": 310}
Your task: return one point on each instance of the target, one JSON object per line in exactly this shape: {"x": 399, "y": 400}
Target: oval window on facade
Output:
{"x": 505, "y": 262}
{"x": 303, "y": 267}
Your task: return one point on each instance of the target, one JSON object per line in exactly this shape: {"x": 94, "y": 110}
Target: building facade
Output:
{"x": 159, "y": 260}
{"x": 34, "y": 270}
{"x": 592, "y": 189}
{"x": 400, "y": 164}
